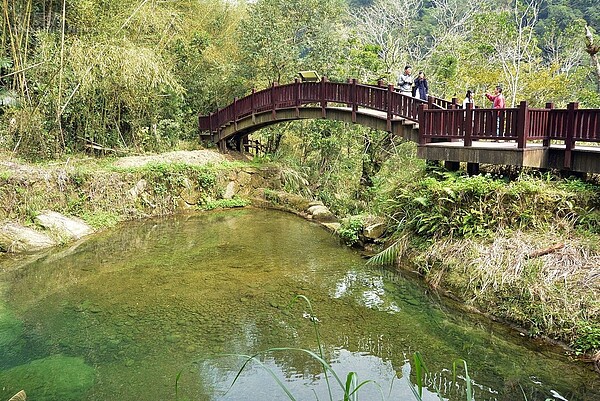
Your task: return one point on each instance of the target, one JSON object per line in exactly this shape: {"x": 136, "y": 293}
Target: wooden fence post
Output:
{"x": 273, "y": 103}
{"x": 354, "y": 97}
{"x": 253, "y": 105}
{"x": 468, "y": 124}
{"x": 422, "y": 124}
{"x": 297, "y": 97}
{"x": 546, "y": 142}
{"x": 235, "y": 112}
{"x": 390, "y": 115}
{"x": 569, "y": 141}
{"x": 323, "y": 101}
{"x": 522, "y": 125}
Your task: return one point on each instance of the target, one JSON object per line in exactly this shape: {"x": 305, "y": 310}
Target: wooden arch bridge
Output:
{"x": 547, "y": 138}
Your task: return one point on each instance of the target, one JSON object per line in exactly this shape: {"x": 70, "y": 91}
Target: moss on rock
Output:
{"x": 56, "y": 377}
{"x": 10, "y": 336}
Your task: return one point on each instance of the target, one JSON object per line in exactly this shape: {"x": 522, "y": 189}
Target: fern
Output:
{"x": 390, "y": 255}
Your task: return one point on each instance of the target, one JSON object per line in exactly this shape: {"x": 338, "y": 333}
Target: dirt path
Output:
{"x": 194, "y": 157}
{"x": 20, "y": 168}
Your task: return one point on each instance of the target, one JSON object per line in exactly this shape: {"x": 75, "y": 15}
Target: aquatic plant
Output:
{"x": 350, "y": 385}
{"x": 223, "y": 204}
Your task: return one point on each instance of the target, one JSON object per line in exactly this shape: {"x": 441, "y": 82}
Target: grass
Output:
{"x": 223, "y": 204}
{"x": 101, "y": 219}
{"x": 553, "y": 294}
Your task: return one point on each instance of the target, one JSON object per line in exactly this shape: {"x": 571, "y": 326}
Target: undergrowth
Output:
{"x": 482, "y": 238}
{"x": 455, "y": 205}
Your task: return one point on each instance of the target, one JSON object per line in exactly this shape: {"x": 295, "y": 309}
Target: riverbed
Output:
{"x": 166, "y": 309}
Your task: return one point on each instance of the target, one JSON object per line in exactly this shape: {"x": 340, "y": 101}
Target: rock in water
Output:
{"x": 54, "y": 378}
{"x": 16, "y": 238}
{"x": 63, "y": 226}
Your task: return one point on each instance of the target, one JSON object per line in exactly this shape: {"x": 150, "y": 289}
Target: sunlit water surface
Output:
{"x": 164, "y": 309}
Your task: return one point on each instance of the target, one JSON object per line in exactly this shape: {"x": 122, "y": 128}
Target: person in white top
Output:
{"x": 405, "y": 81}
{"x": 468, "y": 99}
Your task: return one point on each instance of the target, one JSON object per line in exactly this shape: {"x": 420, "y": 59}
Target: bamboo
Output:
{"x": 60, "y": 75}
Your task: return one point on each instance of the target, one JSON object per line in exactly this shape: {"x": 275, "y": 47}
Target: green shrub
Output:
{"x": 588, "y": 339}
{"x": 224, "y": 204}
{"x": 462, "y": 206}
{"x": 350, "y": 230}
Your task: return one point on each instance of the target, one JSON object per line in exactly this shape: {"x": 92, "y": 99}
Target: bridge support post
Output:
{"x": 253, "y": 106}
{"x": 522, "y": 125}
{"x": 472, "y": 168}
{"x": 423, "y": 127}
{"x": 389, "y": 106}
{"x": 235, "y": 112}
{"x": 273, "y": 102}
{"x": 354, "y": 96}
{"x": 297, "y": 96}
{"x": 323, "y": 101}
{"x": 451, "y": 166}
{"x": 468, "y": 125}
{"x": 546, "y": 142}
{"x": 569, "y": 141}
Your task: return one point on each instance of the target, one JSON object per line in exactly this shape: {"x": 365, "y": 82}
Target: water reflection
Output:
{"x": 160, "y": 299}
{"x": 372, "y": 293}
{"x": 259, "y": 380}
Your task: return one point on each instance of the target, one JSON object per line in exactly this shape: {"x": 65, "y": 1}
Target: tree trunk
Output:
{"x": 592, "y": 50}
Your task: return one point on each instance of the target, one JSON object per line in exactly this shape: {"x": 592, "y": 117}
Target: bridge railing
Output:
{"x": 439, "y": 120}
{"x": 522, "y": 124}
{"x": 323, "y": 93}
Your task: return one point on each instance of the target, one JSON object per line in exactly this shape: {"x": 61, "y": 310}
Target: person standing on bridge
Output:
{"x": 405, "y": 81}
{"x": 497, "y": 98}
{"x": 468, "y": 100}
{"x": 421, "y": 88}
{"x": 498, "y": 103}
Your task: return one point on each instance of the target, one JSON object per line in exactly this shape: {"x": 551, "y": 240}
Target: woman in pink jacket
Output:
{"x": 498, "y": 103}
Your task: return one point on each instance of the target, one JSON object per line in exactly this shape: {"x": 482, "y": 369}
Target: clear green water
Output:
{"x": 120, "y": 315}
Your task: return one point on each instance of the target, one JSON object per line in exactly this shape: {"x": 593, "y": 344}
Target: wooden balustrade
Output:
{"x": 520, "y": 124}
{"x": 439, "y": 120}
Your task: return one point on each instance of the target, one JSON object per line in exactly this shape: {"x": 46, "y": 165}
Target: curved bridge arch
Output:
{"x": 376, "y": 107}
{"x": 235, "y": 134}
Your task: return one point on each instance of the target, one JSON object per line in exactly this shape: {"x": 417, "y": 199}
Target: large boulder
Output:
{"x": 374, "y": 231}
{"x": 62, "y": 226}
{"x": 17, "y": 238}
{"x": 321, "y": 213}
{"x": 292, "y": 201}
{"x": 230, "y": 190}
{"x": 189, "y": 195}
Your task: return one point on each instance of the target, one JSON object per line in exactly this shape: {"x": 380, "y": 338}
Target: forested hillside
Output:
{"x": 133, "y": 74}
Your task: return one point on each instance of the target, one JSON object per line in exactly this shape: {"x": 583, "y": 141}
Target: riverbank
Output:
{"x": 546, "y": 282}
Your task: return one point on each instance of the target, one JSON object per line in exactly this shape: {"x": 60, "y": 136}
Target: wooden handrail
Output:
{"x": 324, "y": 92}
{"x": 437, "y": 118}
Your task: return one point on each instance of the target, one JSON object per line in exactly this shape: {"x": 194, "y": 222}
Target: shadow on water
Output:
{"x": 123, "y": 313}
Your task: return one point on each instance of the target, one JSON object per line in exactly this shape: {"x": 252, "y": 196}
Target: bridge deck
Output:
{"x": 585, "y": 159}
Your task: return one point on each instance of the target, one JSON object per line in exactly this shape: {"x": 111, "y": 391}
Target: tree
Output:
{"x": 281, "y": 37}
{"x": 512, "y": 39}
{"x": 391, "y": 26}
{"x": 561, "y": 46}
